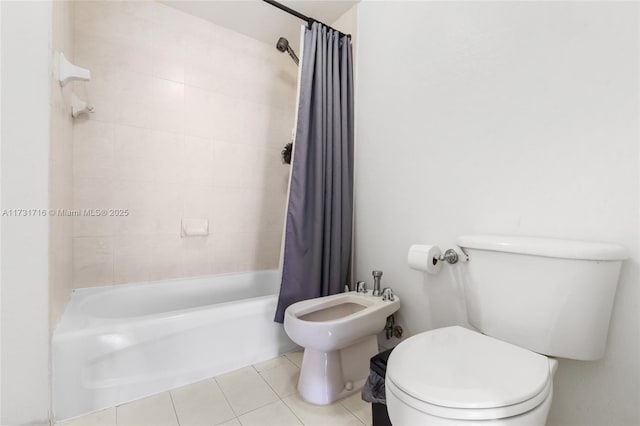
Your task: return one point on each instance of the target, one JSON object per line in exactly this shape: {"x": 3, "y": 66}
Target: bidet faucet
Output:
{"x": 376, "y": 283}
{"x": 387, "y": 295}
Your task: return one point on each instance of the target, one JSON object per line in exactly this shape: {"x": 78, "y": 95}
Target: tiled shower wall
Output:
{"x": 189, "y": 123}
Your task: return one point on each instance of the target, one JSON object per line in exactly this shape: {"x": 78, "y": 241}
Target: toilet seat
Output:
{"x": 460, "y": 374}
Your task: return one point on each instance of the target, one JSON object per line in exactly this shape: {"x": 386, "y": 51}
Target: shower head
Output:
{"x": 283, "y": 46}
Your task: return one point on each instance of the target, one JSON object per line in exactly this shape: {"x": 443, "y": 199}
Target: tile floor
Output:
{"x": 263, "y": 394}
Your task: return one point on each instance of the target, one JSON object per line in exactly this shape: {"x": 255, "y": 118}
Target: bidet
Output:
{"x": 338, "y": 334}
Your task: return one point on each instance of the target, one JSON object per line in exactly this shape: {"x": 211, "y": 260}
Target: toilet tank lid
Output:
{"x": 548, "y": 247}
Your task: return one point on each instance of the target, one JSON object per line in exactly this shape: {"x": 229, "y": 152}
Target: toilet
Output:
{"x": 339, "y": 336}
{"x": 529, "y": 300}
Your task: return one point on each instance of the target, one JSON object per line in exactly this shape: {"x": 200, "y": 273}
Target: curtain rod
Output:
{"x": 299, "y": 15}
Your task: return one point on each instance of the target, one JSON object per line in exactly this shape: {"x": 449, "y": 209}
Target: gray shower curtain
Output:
{"x": 317, "y": 246}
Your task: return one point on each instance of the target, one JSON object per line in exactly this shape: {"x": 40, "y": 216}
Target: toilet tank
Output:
{"x": 551, "y": 296}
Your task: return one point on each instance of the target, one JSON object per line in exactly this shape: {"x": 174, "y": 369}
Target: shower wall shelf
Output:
{"x": 69, "y": 72}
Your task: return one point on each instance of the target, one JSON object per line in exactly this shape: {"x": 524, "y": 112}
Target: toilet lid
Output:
{"x": 458, "y": 368}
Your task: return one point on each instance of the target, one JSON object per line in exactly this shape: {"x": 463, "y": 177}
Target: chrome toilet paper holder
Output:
{"x": 451, "y": 256}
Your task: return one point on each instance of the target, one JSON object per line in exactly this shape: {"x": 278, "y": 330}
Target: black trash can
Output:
{"x": 374, "y": 389}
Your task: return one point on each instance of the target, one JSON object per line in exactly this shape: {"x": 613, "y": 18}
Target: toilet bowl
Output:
{"x": 338, "y": 334}
{"x": 455, "y": 376}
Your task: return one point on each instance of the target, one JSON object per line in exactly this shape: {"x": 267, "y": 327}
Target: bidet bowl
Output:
{"x": 334, "y": 322}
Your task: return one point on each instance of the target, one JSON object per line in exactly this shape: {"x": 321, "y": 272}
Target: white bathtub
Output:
{"x": 120, "y": 343}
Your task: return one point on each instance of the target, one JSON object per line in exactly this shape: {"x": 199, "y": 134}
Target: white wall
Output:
{"x": 26, "y": 44}
{"x": 348, "y": 24}
{"x": 61, "y": 167}
{"x": 507, "y": 117}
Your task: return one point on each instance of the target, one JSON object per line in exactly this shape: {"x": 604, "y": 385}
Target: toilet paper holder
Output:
{"x": 452, "y": 256}
{"x": 449, "y": 256}
{"x": 429, "y": 258}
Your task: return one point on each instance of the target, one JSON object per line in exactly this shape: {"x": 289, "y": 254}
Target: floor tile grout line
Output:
{"x": 262, "y": 406}
{"x": 273, "y": 389}
{"x": 281, "y": 399}
{"x": 263, "y": 362}
{"x": 291, "y": 409}
{"x": 351, "y": 411}
{"x": 173, "y": 404}
{"x": 225, "y": 398}
{"x": 354, "y": 415}
{"x": 271, "y": 403}
{"x": 273, "y": 368}
{"x": 291, "y": 361}
{"x": 267, "y": 383}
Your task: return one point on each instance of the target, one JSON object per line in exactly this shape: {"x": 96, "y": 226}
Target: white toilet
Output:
{"x": 531, "y": 299}
{"x": 338, "y": 334}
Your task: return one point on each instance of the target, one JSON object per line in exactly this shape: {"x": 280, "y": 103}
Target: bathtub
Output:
{"x": 119, "y": 343}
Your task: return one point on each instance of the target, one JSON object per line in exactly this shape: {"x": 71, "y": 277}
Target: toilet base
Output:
{"x": 326, "y": 377}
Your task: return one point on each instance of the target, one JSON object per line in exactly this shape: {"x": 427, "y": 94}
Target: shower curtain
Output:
{"x": 317, "y": 241}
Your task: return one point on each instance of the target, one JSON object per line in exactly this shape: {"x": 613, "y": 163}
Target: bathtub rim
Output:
{"x": 67, "y": 326}
{"x": 201, "y": 312}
